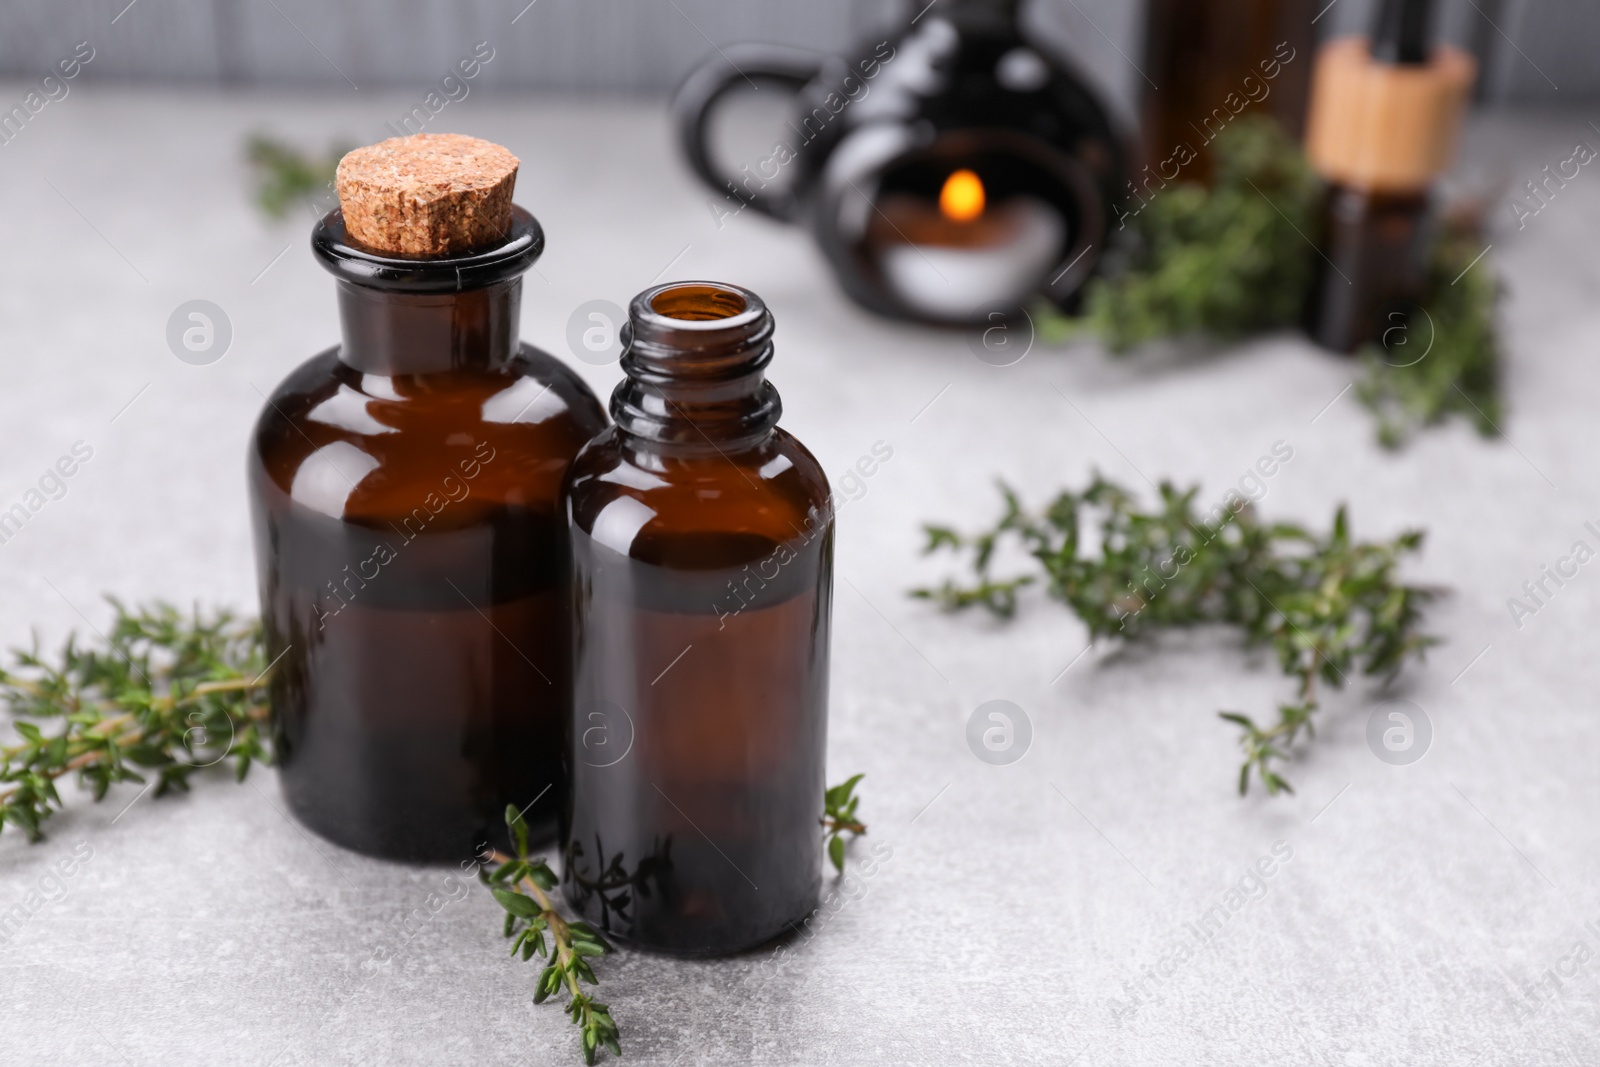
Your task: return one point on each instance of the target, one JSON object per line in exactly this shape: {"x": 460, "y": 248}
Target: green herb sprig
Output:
{"x": 172, "y": 693}
{"x": 522, "y": 885}
{"x": 163, "y": 692}
{"x": 839, "y": 818}
{"x": 1236, "y": 258}
{"x": 1328, "y": 606}
{"x": 284, "y": 175}
{"x": 1220, "y": 262}
{"x": 1445, "y": 358}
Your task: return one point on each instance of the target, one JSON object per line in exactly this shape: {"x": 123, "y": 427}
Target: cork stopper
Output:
{"x": 1385, "y": 127}
{"x": 430, "y": 194}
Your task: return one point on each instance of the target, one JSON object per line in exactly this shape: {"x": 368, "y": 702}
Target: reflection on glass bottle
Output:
{"x": 702, "y": 552}
{"x": 609, "y": 886}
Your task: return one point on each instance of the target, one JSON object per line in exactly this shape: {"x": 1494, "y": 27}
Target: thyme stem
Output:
{"x": 521, "y": 884}
{"x": 1171, "y": 567}
{"x": 162, "y": 691}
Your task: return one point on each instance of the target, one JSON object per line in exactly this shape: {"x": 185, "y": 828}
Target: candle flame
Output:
{"x": 961, "y": 199}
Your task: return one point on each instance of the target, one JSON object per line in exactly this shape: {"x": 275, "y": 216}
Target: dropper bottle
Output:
{"x": 1385, "y": 114}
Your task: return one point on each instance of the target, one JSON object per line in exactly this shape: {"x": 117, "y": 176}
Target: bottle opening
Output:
{"x": 698, "y": 303}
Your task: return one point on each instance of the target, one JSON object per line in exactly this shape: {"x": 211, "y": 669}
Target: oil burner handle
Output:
{"x": 696, "y": 101}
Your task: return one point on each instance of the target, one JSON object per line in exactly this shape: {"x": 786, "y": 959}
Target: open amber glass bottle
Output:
{"x": 703, "y": 557}
{"x": 413, "y": 566}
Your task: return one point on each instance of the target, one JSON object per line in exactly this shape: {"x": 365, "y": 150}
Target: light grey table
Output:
{"x": 1022, "y": 907}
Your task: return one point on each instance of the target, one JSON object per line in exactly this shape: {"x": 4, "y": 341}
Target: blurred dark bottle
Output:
{"x": 413, "y": 565}
{"x": 1206, "y": 63}
{"x": 1385, "y": 113}
{"x": 703, "y": 561}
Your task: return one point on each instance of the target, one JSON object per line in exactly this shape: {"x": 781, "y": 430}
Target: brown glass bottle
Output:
{"x": 412, "y": 562}
{"x": 703, "y": 559}
{"x": 1384, "y": 115}
{"x": 1375, "y": 270}
{"x": 1208, "y": 62}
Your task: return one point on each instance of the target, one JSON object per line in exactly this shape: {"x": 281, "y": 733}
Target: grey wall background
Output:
{"x": 1534, "y": 51}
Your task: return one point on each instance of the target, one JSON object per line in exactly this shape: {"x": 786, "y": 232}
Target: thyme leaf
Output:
{"x": 522, "y": 884}
{"x": 1328, "y": 606}
{"x": 1221, "y": 262}
{"x": 1236, "y": 259}
{"x": 839, "y": 818}
{"x": 163, "y": 694}
{"x": 168, "y": 693}
{"x": 1458, "y": 369}
{"x": 285, "y": 176}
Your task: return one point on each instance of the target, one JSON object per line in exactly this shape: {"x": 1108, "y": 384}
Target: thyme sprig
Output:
{"x": 1221, "y": 262}
{"x": 163, "y": 692}
{"x": 1445, "y": 359}
{"x": 1328, "y": 606}
{"x": 522, "y": 885}
{"x": 285, "y": 175}
{"x": 172, "y": 693}
{"x": 1235, "y": 259}
{"x": 839, "y": 818}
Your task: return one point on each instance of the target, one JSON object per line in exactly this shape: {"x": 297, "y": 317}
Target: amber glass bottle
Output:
{"x": 413, "y": 565}
{"x": 1385, "y": 113}
{"x": 703, "y": 561}
{"x": 1208, "y": 62}
{"x": 1376, "y": 270}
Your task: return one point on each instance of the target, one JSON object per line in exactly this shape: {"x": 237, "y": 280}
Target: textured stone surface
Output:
{"x": 1419, "y": 903}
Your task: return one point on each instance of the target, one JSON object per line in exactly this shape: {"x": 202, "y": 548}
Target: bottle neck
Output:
{"x": 393, "y": 332}
{"x": 1400, "y": 32}
{"x": 1007, "y": 8}
{"x": 695, "y": 359}
{"x": 405, "y": 314}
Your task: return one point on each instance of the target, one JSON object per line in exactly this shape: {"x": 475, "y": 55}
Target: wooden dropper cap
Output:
{"x": 430, "y": 194}
{"x": 1384, "y": 116}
